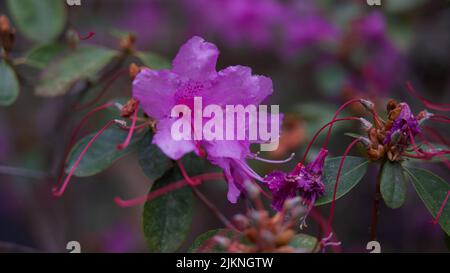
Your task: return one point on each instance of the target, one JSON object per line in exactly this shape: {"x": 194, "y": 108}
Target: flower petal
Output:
{"x": 155, "y": 91}
{"x": 175, "y": 149}
{"x": 236, "y": 85}
{"x": 196, "y": 59}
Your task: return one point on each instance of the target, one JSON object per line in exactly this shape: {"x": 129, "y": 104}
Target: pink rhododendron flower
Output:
{"x": 194, "y": 75}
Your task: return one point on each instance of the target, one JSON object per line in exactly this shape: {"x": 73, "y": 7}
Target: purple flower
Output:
{"x": 194, "y": 75}
{"x": 145, "y": 18}
{"x": 303, "y": 26}
{"x": 237, "y": 22}
{"x": 304, "y": 180}
{"x": 382, "y": 62}
{"x": 403, "y": 123}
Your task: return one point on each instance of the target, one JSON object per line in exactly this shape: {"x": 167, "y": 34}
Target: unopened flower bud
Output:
{"x": 391, "y": 105}
{"x": 423, "y": 116}
{"x": 367, "y": 104}
{"x": 134, "y": 70}
{"x": 366, "y": 124}
{"x": 365, "y": 141}
{"x": 7, "y": 34}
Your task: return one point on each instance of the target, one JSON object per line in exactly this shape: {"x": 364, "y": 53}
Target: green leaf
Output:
{"x": 304, "y": 242}
{"x": 330, "y": 79}
{"x": 432, "y": 190}
{"x": 84, "y": 63}
{"x": 41, "y": 21}
{"x": 153, "y": 61}
{"x": 41, "y": 56}
{"x": 353, "y": 171}
{"x": 393, "y": 184}
{"x": 204, "y": 238}
{"x": 9, "y": 85}
{"x": 153, "y": 161}
{"x": 102, "y": 153}
{"x": 403, "y": 5}
{"x": 167, "y": 219}
{"x": 316, "y": 115}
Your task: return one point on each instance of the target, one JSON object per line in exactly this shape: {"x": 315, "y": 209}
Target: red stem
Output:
{"x": 341, "y": 164}
{"x": 130, "y": 133}
{"x": 161, "y": 191}
{"x": 320, "y": 130}
{"x": 436, "y": 221}
{"x": 435, "y": 106}
{"x": 60, "y": 192}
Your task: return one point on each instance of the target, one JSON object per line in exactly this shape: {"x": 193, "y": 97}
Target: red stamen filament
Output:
{"x": 75, "y": 134}
{"x": 88, "y": 36}
{"x": 130, "y": 132}
{"x": 317, "y": 134}
{"x": 343, "y": 106}
{"x": 193, "y": 184}
{"x": 436, "y": 135}
{"x": 435, "y": 221}
{"x": 316, "y": 216}
{"x": 435, "y": 106}
{"x": 341, "y": 164}
{"x": 440, "y": 118}
{"x": 63, "y": 187}
{"x": 166, "y": 189}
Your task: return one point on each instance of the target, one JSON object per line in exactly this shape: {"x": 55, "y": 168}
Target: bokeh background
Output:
{"x": 318, "y": 54}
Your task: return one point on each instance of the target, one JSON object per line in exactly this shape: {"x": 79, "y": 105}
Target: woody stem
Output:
{"x": 376, "y": 206}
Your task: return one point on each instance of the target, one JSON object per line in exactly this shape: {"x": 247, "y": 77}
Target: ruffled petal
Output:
{"x": 236, "y": 85}
{"x": 155, "y": 91}
{"x": 175, "y": 149}
{"x": 196, "y": 59}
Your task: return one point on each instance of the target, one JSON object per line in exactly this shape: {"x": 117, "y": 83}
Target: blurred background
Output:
{"x": 318, "y": 54}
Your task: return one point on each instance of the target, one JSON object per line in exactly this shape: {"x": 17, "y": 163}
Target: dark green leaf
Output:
{"x": 41, "y": 56}
{"x": 196, "y": 165}
{"x": 304, "y": 242}
{"x": 9, "y": 85}
{"x": 353, "y": 171}
{"x": 432, "y": 190}
{"x": 153, "y": 161}
{"x": 103, "y": 152}
{"x": 84, "y": 63}
{"x": 167, "y": 219}
{"x": 153, "y": 61}
{"x": 205, "y": 238}
{"x": 42, "y": 21}
{"x": 393, "y": 184}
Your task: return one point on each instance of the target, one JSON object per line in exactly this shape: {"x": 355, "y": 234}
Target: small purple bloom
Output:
{"x": 194, "y": 75}
{"x": 304, "y": 180}
{"x": 303, "y": 26}
{"x": 402, "y": 124}
{"x": 236, "y": 22}
{"x": 144, "y": 17}
{"x": 382, "y": 62}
